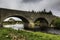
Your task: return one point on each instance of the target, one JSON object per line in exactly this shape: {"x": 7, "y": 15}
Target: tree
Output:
{"x": 44, "y": 10}
{"x": 56, "y": 23}
{"x": 50, "y": 12}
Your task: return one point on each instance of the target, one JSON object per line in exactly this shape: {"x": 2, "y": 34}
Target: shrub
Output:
{"x": 56, "y": 23}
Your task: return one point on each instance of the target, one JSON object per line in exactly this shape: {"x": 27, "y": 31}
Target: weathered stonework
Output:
{"x": 27, "y": 17}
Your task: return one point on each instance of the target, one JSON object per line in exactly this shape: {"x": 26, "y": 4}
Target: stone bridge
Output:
{"x": 27, "y": 17}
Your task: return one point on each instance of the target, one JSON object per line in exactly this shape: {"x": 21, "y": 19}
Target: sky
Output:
{"x": 29, "y": 5}
{"x": 14, "y": 18}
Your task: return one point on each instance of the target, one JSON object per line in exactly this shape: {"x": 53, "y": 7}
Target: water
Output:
{"x": 54, "y": 31}
{"x": 15, "y": 26}
{"x": 21, "y": 27}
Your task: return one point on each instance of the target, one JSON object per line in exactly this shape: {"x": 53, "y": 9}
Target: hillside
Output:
{"x": 11, "y": 34}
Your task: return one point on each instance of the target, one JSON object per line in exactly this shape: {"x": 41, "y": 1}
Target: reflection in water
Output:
{"x": 54, "y": 31}
{"x": 15, "y": 26}
{"x": 21, "y": 27}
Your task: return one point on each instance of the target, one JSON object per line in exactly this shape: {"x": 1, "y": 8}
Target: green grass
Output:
{"x": 11, "y": 34}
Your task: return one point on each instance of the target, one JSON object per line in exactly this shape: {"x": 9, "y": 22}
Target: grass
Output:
{"x": 11, "y": 34}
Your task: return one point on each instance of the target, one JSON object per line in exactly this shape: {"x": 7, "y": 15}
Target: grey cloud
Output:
{"x": 27, "y": 1}
{"x": 56, "y": 7}
{"x": 36, "y": 5}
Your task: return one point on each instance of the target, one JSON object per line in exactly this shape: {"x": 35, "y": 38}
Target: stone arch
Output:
{"x": 41, "y": 20}
{"x": 25, "y": 20}
{"x": 42, "y": 24}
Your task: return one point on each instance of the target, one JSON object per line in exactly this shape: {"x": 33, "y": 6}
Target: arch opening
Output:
{"x": 23, "y": 22}
{"x": 41, "y": 24}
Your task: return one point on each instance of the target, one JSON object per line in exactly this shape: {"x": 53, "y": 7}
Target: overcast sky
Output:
{"x": 36, "y": 5}
{"x": 13, "y": 18}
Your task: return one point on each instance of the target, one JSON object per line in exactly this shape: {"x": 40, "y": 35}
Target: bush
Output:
{"x": 56, "y": 23}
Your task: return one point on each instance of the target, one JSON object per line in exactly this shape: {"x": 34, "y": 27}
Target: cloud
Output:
{"x": 14, "y": 18}
{"x": 9, "y": 3}
{"x": 27, "y": 1}
{"x": 36, "y": 5}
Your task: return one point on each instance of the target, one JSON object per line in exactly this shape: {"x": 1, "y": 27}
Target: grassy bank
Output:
{"x": 11, "y": 34}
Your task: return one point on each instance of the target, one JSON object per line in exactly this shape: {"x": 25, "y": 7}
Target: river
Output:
{"x": 15, "y": 26}
{"x": 21, "y": 27}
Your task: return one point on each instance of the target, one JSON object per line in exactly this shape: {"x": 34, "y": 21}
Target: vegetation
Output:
{"x": 56, "y": 23}
{"x": 43, "y": 12}
{"x": 11, "y": 34}
{"x": 13, "y": 22}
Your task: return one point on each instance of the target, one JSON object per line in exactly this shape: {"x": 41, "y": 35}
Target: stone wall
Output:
{"x": 30, "y": 16}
